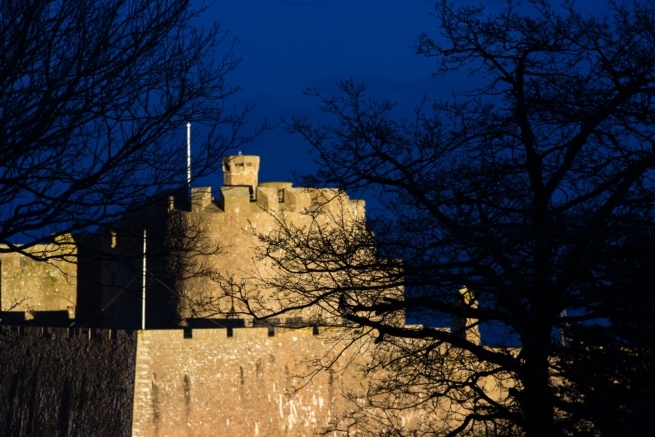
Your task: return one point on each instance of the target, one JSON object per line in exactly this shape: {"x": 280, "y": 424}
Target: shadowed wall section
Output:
{"x": 66, "y": 382}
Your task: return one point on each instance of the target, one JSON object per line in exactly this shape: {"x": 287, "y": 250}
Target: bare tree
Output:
{"x": 531, "y": 191}
{"x": 94, "y": 97}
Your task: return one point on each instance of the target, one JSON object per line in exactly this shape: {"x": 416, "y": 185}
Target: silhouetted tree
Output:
{"x": 94, "y": 98}
{"x": 610, "y": 365}
{"x": 533, "y": 190}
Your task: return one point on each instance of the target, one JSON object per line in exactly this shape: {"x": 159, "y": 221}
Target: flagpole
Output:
{"x": 143, "y": 293}
{"x": 188, "y": 156}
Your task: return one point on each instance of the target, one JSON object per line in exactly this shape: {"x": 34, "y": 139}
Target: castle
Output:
{"x": 155, "y": 304}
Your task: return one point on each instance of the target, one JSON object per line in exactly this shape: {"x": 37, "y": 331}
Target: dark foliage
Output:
{"x": 535, "y": 190}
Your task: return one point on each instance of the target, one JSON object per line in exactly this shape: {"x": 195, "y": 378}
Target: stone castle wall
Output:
{"x": 66, "y": 382}
{"x": 189, "y": 382}
{"x": 210, "y": 383}
{"x": 239, "y": 382}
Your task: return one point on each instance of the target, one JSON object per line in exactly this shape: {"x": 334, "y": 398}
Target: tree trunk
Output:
{"x": 536, "y": 398}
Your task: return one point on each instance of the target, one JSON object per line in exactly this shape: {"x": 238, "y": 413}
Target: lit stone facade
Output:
{"x": 202, "y": 253}
{"x": 31, "y": 289}
{"x": 235, "y": 379}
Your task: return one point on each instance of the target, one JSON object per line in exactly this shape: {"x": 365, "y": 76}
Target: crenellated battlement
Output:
{"x": 274, "y": 197}
{"x": 236, "y": 334}
{"x": 8, "y": 332}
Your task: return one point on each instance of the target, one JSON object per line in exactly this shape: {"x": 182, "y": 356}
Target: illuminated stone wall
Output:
{"x": 36, "y": 290}
{"x": 215, "y": 384}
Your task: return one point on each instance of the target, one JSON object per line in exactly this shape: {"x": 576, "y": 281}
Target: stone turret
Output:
{"x": 241, "y": 170}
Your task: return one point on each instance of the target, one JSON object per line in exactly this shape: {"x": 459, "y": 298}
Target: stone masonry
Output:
{"x": 174, "y": 378}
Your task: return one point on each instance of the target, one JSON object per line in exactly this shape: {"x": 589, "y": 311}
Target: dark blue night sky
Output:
{"x": 289, "y": 45}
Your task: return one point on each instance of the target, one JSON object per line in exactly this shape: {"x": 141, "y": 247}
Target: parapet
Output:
{"x": 201, "y": 197}
{"x": 76, "y": 333}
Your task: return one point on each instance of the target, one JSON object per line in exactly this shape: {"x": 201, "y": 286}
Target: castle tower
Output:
{"x": 241, "y": 170}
